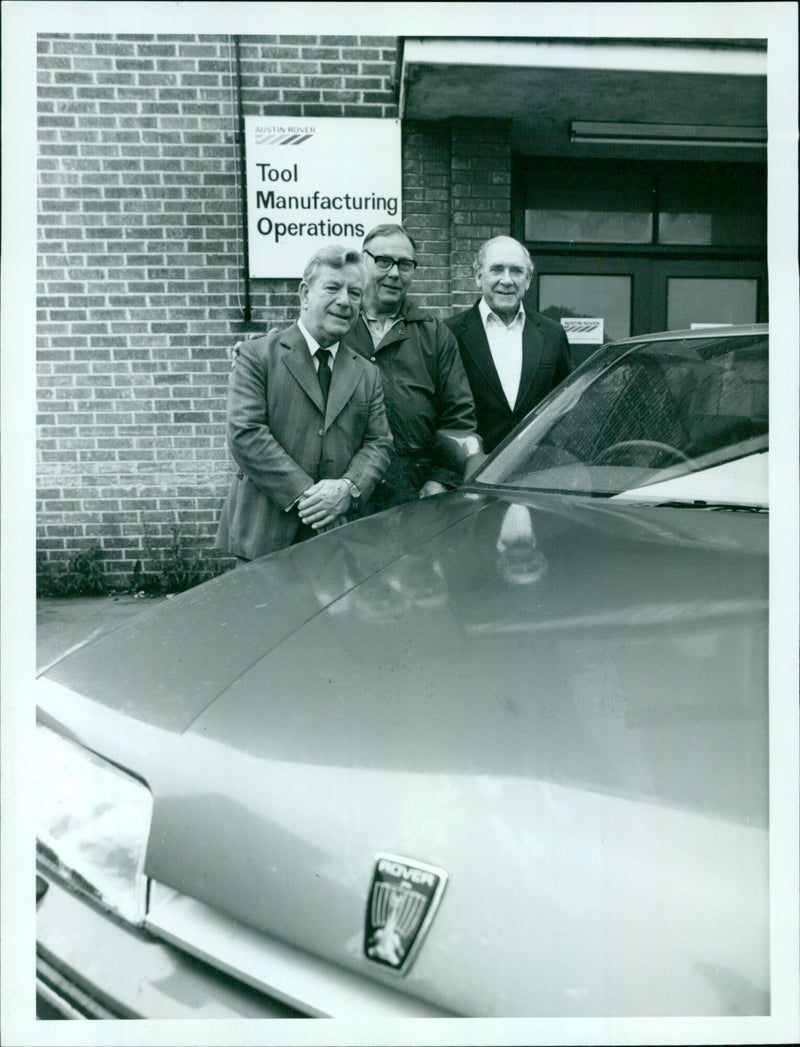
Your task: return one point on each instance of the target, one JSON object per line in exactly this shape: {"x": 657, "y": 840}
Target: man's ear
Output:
{"x": 303, "y": 292}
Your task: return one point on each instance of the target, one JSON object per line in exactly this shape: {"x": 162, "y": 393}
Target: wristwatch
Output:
{"x": 355, "y": 494}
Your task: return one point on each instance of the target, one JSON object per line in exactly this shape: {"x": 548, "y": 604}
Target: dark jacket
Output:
{"x": 424, "y": 384}
{"x": 545, "y": 362}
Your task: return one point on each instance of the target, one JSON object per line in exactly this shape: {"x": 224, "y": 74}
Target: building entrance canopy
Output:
{"x": 545, "y": 85}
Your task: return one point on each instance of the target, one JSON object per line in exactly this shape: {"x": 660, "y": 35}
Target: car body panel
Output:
{"x": 556, "y": 700}
{"x": 196, "y": 643}
{"x": 582, "y": 708}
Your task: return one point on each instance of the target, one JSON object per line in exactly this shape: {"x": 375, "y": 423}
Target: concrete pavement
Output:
{"x": 62, "y": 622}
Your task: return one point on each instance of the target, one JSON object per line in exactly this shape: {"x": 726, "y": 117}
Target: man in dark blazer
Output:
{"x": 307, "y": 426}
{"x": 513, "y": 356}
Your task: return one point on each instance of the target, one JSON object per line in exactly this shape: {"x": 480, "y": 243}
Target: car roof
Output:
{"x": 731, "y": 330}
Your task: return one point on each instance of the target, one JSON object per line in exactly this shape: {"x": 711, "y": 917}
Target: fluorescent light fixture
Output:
{"x": 589, "y": 131}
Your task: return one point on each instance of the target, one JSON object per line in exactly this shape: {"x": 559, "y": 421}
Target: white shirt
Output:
{"x": 505, "y": 345}
{"x": 313, "y": 346}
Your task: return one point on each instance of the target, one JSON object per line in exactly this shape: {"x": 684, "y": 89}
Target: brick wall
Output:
{"x": 427, "y": 209}
{"x": 140, "y": 288}
{"x": 456, "y": 194}
{"x": 481, "y": 196}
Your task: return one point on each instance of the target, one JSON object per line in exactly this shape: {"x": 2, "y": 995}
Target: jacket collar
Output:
{"x": 477, "y": 345}
{"x": 313, "y": 344}
{"x": 344, "y": 374}
{"x": 410, "y": 313}
{"x": 486, "y": 312}
{"x": 360, "y": 338}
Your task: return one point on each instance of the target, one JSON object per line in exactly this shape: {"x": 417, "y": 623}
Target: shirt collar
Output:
{"x": 313, "y": 344}
{"x": 385, "y": 321}
{"x": 487, "y": 314}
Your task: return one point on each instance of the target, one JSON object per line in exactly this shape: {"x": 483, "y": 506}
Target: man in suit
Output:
{"x": 307, "y": 425}
{"x": 513, "y": 356}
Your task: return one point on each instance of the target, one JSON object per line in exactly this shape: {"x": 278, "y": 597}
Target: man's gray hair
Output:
{"x": 334, "y": 256}
{"x": 480, "y": 257}
{"x": 388, "y": 229}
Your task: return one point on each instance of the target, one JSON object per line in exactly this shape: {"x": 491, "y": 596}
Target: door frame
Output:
{"x": 649, "y": 272}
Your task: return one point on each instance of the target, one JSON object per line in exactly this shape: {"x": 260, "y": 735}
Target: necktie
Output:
{"x": 324, "y": 373}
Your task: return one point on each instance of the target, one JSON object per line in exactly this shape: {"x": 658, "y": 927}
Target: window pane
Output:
{"x": 691, "y": 227}
{"x": 587, "y": 210}
{"x": 702, "y": 300}
{"x": 701, "y": 204}
{"x": 589, "y": 296}
{"x": 718, "y": 208}
{"x": 588, "y": 227}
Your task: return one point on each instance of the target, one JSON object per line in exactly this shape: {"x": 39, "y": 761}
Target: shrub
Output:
{"x": 174, "y": 565}
{"x": 82, "y": 575}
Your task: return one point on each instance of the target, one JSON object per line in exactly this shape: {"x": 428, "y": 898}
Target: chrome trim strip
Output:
{"x": 56, "y": 1002}
{"x": 317, "y": 987}
{"x": 134, "y": 974}
{"x": 65, "y": 996}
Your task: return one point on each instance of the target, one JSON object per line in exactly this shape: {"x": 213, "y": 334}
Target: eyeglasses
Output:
{"x": 384, "y": 262}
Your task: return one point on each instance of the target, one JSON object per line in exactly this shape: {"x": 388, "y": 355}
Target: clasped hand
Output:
{"x": 323, "y": 503}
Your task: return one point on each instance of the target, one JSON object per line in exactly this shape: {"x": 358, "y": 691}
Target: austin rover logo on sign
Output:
{"x": 402, "y": 902}
{"x": 583, "y": 330}
{"x": 312, "y": 182}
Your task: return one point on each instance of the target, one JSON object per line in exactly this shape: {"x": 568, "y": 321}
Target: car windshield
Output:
{"x": 645, "y": 413}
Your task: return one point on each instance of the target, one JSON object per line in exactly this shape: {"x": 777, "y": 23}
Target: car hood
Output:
{"x": 169, "y": 663}
{"x": 561, "y": 703}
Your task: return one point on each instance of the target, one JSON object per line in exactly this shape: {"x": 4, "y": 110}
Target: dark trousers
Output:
{"x": 400, "y": 484}
{"x": 304, "y": 532}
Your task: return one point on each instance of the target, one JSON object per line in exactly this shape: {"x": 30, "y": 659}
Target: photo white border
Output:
{"x": 778, "y": 23}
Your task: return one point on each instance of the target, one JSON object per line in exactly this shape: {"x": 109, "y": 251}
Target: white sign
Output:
{"x": 583, "y": 330}
{"x": 312, "y": 182}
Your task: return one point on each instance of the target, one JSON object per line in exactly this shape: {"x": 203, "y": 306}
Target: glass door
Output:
{"x": 687, "y": 293}
{"x": 627, "y": 295}
{"x": 610, "y": 294}
{"x": 633, "y": 247}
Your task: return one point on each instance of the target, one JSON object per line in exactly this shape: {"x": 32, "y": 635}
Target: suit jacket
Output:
{"x": 545, "y": 362}
{"x": 283, "y": 439}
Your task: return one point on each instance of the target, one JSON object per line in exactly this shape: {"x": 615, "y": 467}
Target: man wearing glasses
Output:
{"x": 424, "y": 382}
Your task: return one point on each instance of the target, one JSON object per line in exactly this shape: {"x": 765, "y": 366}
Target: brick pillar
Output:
{"x": 427, "y": 210}
{"x": 480, "y": 161}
